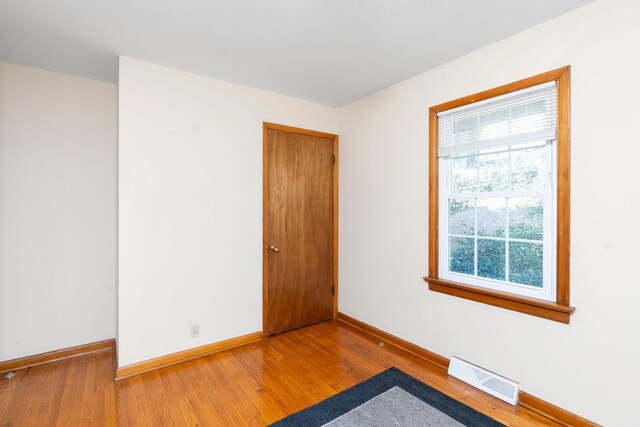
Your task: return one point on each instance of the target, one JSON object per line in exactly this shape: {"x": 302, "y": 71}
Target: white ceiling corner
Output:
{"x": 327, "y": 51}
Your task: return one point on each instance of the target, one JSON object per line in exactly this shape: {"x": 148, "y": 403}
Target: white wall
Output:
{"x": 384, "y": 216}
{"x": 190, "y": 205}
{"x": 57, "y": 211}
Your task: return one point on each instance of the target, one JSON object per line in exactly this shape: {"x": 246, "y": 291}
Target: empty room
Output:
{"x": 319, "y": 213}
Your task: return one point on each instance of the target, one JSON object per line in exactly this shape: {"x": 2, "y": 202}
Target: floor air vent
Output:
{"x": 484, "y": 380}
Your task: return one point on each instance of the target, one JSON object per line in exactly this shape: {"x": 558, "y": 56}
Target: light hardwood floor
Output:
{"x": 253, "y": 385}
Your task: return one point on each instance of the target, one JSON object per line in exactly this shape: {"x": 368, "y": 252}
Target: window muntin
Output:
{"x": 497, "y": 193}
{"x": 500, "y": 236}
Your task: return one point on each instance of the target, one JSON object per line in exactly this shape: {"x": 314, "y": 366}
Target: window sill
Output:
{"x": 532, "y": 306}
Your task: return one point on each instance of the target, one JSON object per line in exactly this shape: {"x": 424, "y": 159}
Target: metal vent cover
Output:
{"x": 487, "y": 381}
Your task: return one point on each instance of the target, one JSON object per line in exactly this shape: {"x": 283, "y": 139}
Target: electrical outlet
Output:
{"x": 195, "y": 330}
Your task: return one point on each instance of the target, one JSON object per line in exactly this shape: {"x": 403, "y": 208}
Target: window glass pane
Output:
{"x": 491, "y": 259}
{"x": 528, "y": 168}
{"x": 491, "y": 217}
{"x": 461, "y": 255}
{"x": 493, "y": 171}
{"x": 465, "y": 174}
{"x": 462, "y": 216}
{"x": 525, "y": 263}
{"x": 526, "y": 218}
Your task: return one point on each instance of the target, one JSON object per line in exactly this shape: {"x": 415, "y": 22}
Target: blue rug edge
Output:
{"x": 343, "y": 402}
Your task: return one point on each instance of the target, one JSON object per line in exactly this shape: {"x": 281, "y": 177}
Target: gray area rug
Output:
{"x": 394, "y": 407}
{"x": 390, "y": 398}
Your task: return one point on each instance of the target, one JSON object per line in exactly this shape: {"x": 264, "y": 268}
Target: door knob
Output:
{"x": 273, "y": 248}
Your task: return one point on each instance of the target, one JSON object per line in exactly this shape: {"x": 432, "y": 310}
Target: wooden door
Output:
{"x": 300, "y": 228}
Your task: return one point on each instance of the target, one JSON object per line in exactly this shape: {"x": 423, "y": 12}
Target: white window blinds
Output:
{"x": 517, "y": 118}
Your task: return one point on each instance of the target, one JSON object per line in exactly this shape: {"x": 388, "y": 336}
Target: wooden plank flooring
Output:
{"x": 253, "y": 385}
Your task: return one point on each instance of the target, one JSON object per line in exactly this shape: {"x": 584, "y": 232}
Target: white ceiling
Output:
{"x": 328, "y": 51}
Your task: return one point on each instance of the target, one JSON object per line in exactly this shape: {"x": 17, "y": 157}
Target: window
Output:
{"x": 499, "y": 196}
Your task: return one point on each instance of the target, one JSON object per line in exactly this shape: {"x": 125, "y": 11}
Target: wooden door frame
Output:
{"x": 266, "y": 127}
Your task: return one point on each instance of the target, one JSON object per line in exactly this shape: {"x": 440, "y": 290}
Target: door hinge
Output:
{"x": 333, "y": 159}
{"x": 333, "y": 290}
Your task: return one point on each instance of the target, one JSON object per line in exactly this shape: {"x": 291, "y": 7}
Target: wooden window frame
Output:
{"x": 560, "y": 310}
